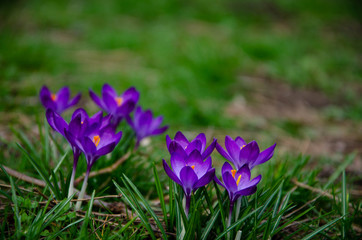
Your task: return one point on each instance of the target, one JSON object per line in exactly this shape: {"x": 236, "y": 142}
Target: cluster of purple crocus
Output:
{"x": 192, "y": 166}
{"x": 97, "y": 135}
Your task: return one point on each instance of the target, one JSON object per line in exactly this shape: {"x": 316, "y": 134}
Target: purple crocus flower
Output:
{"x": 96, "y": 140}
{"x": 79, "y": 125}
{"x": 182, "y": 145}
{"x": 95, "y": 143}
{"x": 118, "y": 106}
{"x": 190, "y": 172}
{"x": 145, "y": 125}
{"x": 237, "y": 183}
{"x": 239, "y": 152}
{"x": 58, "y": 102}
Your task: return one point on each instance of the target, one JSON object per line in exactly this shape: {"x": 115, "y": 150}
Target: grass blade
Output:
{"x": 344, "y": 204}
{"x": 65, "y": 228}
{"x": 237, "y": 223}
{"x": 209, "y": 225}
{"x": 16, "y": 209}
{"x": 37, "y": 168}
{"x": 147, "y": 206}
{"x": 135, "y": 206}
{"x": 318, "y": 230}
{"x": 160, "y": 194}
{"x": 84, "y": 229}
{"x": 339, "y": 170}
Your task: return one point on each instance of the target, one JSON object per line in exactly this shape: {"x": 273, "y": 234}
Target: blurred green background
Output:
{"x": 275, "y": 71}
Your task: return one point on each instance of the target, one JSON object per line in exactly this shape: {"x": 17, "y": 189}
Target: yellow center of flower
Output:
{"x": 237, "y": 181}
{"x": 233, "y": 172}
{"x": 193, "y": 166}
{"x": 242, "y": 147}
{"x": 96, "y": 140}
{"x": 53, "y": 97}
{"x": 81, "y": 122}
{"x": 118, "y": 100}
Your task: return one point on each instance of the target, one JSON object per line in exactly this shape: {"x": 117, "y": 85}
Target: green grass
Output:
{"x": 185, "y": 56}
{"x": 189, "y": 60}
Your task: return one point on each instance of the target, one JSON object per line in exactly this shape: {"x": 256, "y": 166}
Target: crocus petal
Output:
{"x": 131, "y": 94}
{"x": 179, "y": 137}
{"x": 219, "y": 182}
{"x": 194, "y": 145}
{"x": 106, "y": 149}
{"x": 245, "y": 192}
{"x": 248, "y": 184}
{"x": 138, "y": 114}
{"x": 73, "y": 141}
{"x": 110, "y": 102}
{"x": 97, "y": 100}
{"x": 175, "y": 147}
{"x": 125, "y": 109}
{"x": 105, "y": 121}
{"x": 80, "y": 111}
{"x": 130, "y": 122}
{"x": 59, "y": 123}
{"x": 50, "y": 117}
{"x": 74, "y": 100}
{"x": 159, "y": 130}
{"x": 206, "y": 179}
{"x": 194, "y": 157}
{"x": 75, "y": 126}
{"x": 97, "y": 118}
{"x": 200, "y": 167}
{"x": 109, "y": 90}
{"x": 62, "y": 98}
{"x": 45, "y": 98}
{"x": 202, "y": 139}
{"x": 248, "y": 154}
{"x": 245, "y": 174}
{"x": 50, "y": 104}
{"x": 255, "y": 180}
{"x": 232, "y": 148}
{"x": 240, "y": 142}
{"x": 226, "y": 168}
{"x": 170, "y": 173}
{"x": 223, "y": 152}
{"x": 88, "y": 146}
{"x": 209, "y": 149}
{"x": 156, "y": 122}
{"x": 145, "y": 122}
{"x": 168, "y": 141}
{"x": 188, "y": 179}
{"x": 107, "y": 136}
{"x": 229, "y": 182}
{"x": 265, "y": 155}
{"x": 44, "y": 92}
{"x": 177, "y": 163}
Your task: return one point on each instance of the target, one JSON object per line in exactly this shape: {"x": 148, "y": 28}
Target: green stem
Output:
{"x": 82, "y": 191}
{"x": 71, "y": 184}
{"x": 229, "y": 219}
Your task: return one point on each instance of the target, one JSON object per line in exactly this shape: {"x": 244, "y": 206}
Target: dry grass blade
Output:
{"x": 24, "y": 177}
{"x": 104, "y": 170}
{"x": 317, "y": 190}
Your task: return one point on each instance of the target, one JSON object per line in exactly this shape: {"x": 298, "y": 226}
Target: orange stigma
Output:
{"x": 233, "y": 172}
{"x": 119, "y": 101}
{"x": 81, "y": 122}
{"x": 53, "y": 97}
{"x": 96, "y": 140}
{"x": 193, "y": 167}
